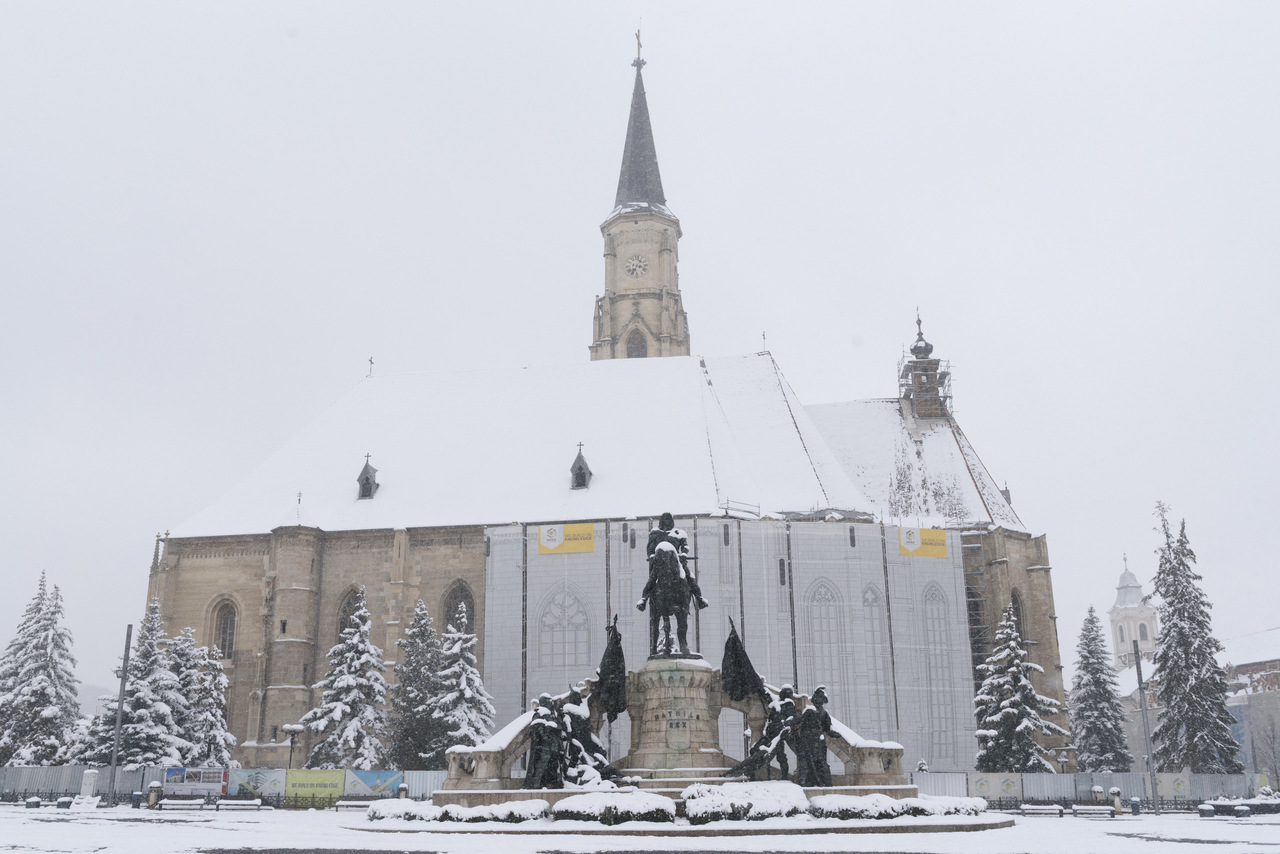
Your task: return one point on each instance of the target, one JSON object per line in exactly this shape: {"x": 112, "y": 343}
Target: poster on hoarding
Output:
{"x": 259, "y": 782}
{"x": 195, "y": 781}
{"x": 922, "y": 542}
{"x": 320, "y": 785}
{"x": 373, "y": 783}
{"x": 566, "y": 539}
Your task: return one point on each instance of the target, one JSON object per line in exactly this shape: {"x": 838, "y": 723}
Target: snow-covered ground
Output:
{"x": 144, "y": 832}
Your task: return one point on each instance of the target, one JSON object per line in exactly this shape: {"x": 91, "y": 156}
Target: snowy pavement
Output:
{"x": 144, "y": 832}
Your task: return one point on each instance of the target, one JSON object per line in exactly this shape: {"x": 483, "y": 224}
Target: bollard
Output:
{"x": 402, "y": 791}
{"x": 1114, "y": 792}
{"x": 1135, "y": 804}
{"x": 153, "y": 794}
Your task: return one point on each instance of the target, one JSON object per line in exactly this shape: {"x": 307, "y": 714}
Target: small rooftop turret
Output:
{"x": 924, "y": 383}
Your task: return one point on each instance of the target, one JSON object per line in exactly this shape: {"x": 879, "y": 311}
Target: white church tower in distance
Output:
{"x": 640, "y": 314}
{"x": 1131, "y": 619}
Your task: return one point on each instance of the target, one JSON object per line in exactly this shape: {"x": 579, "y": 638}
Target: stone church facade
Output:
{"x": 812, "y": 530}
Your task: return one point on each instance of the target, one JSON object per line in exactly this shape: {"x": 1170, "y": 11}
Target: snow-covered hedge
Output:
{"x": 514, "y": 812}
{"x": 615, "y": 807}
{"x": 737, "y": 801}
{"x": 882, "y": 806}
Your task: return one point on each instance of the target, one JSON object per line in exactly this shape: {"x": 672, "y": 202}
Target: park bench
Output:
{"x": 1093, "y": 810}
{"x": 181, "y": 804}
{"x": 1031, "y": 810}
{"x": 255, "y": 804}
{"x": 353, "y": 805}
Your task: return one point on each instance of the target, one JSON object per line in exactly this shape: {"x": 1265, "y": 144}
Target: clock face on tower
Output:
{"x": 637, "y": 266}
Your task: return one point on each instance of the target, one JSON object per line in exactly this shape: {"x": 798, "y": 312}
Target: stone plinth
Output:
{"x": 674, "y": 706}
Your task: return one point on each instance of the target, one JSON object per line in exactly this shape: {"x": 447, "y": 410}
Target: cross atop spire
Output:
{"x": 637, "y": 63}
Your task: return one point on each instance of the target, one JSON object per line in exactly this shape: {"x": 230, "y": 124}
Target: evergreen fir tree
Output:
{"x": 211, "y": 740}
{"x": 11, "y": 662}
{"x": 465, "y": 707}
{"x": 41, "y": 704}
{"x": 418, "y": 738}
{"x": 351, "y": 716}
{"x": 148, "y": 734}
{"x": 1194, "y": 729}
{"x": 1097, "y": 718}
{"x": 1008, "y": 708}
{"x": 183, "y": 660}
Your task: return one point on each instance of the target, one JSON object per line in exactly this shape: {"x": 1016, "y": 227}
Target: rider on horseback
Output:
{"x": 670, "y": 586}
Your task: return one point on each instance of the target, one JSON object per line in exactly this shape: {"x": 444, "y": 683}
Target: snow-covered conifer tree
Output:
{"x": 148, "y": 734}
{"x": 183, "y": 660}
{"x": 11, "y": 660}
{"x": 1008, "y": 708}
{"x": 1097, "y": 718}
{"x": 211, "y": 741}
{"x": 351, "y": 717}
{"x": 465, "y": 708}
{"x": 1194, "y": 729}
{"x": 40, "y": 708}
{"x": 418, "y": 737}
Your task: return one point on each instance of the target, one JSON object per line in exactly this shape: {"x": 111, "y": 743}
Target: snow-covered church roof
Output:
{"x": 921, "y": 472}
{"x": 679, "y": 434}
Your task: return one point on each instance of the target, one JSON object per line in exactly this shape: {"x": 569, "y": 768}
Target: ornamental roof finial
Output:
{"x": 922, "y": 348}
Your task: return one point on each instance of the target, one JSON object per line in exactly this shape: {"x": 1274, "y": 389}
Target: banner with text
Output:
{"x": 566, "y": 539}
{"x": 922, "y": 542}
{"x": 314, "y": 784}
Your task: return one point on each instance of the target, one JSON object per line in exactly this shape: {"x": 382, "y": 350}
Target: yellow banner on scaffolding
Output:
{"x": 922, "y": 542}
{"x": 566, "y": 539}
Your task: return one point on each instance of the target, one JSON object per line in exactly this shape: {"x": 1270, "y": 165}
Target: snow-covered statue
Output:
{"x": 546, "y": 748}
{"x": 811, "y": 742}
{"x": 670, "y": 586}
{"x": 586, "y": 763}
{"x": 779, "y": 733}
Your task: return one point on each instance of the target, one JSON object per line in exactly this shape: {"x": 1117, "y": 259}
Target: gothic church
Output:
{"x": 861, "y": 545}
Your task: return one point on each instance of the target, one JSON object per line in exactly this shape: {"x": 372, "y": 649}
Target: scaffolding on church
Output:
{"x": 927, "y": 384}
{"x": 978, "y": 607}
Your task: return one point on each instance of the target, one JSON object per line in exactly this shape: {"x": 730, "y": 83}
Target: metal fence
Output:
{"x": 1175, "y": 790}
{"x": 951, "y": 784}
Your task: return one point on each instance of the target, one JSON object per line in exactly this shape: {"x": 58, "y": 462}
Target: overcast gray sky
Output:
{"x": 212, "y": 214}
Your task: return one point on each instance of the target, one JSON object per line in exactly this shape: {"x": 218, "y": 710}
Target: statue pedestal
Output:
{"x": 674, "y": 706}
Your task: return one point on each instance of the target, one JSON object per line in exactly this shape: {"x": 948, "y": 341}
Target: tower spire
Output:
{"x": 639, "y": 182}
{"x": 640, "y": 314}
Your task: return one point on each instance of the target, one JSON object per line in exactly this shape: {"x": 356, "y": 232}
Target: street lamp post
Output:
{"x": 292, "y": 730}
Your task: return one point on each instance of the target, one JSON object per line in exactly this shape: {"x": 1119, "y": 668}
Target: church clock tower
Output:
{"x": 641, "y": 313}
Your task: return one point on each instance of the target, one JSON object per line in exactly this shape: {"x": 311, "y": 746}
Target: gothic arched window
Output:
{"x": 1142, "y": 631}
{"x": 876, "y": 642}
{"x": 637, "y": 346}
{"x": 1120, "y": 631}
{"x": 826, "y": 634}
{"x": 937, "y": 663}
{"x": 460, "y": 596}
{"x": 224, "y": 629}
{"x": 1016, "y": 602}
{"x": 563, "y": 632}
{"x": 349, "y": 607}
